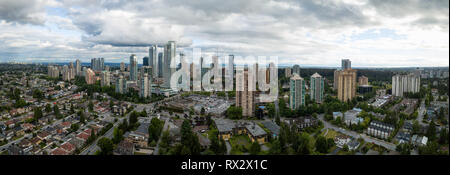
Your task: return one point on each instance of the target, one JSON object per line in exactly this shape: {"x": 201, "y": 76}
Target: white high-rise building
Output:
{"x": 145, "y": 86}
{"x": 120, "y": 84}
{"x": 153, "y": 59}
{"x": 105, "y": 78}
{"x": 169, "y": 57}
{"x": 317, "y": 88}
{"x": 405, "y": 83}
{"x": 65, "y": 73}
{"x": 133, "y": 68}
{"x": 78, "y": 67}
{"x": 53, "y": 71}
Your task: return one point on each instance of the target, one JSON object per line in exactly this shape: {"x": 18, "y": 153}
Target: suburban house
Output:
{"x": 341, "y": 140}
{"x": 44, "y": 135}
{"x": 403, "y": 137}
{"x": 419, "y": 140}
{"x": 59, "y": 151}
{"x": 353, "y": 145}
{"x": 125, "y": 147}
{"x": 337, "y": 114}
{"x": 68, "y": 147}
{"x": 19, "y": 131}
{"x": 204, "y": 142}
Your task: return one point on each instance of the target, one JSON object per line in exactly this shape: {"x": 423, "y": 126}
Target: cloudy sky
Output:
{"x": 306, "y": 32}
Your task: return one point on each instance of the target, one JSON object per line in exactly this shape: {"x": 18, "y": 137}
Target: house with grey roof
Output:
{"x": 225, "y": 128}
{"x": 337, "y": 114}
{"x": 380, "y": 129}
{"x": 272, "y": 127}
{"x": 256, "y": 133}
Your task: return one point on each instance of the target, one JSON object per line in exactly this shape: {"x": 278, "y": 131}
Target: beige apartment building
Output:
{"x": 245, "y": 98}
{"x": 346, "y": 84}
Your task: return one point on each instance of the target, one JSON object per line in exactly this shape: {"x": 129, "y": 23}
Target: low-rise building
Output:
{"x": 256, "y": 133}
{"x": 341, "y": 140}
{"x": 337, "y": 114}
{"x": 272, "y": 127}
{"x": 419, "y": 140}
{"x": 68, "y": 147}
{"x": 228, "y": 128}
{"x": 303, "y": 122}
{"x": 380, "y": 129}
{"x": 351, "y": 117}
{"x": 125, "y": 147}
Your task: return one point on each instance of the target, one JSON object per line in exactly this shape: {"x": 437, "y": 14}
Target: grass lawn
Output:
{"x": 331, "y": 134}
{"x": 332, "y": 149}
{"x": 240, "y": 144}
{"x": 241, "y": 140}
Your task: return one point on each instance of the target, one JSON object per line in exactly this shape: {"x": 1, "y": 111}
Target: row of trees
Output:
{"x": 292, "y": 141}
{"x": 154, "y": 130}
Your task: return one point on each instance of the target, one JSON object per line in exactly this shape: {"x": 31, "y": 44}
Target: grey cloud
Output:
{"x": 430, "y": 12}
{"x": 22, "y": 11}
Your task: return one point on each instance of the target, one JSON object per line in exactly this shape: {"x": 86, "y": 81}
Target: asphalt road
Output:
{"x": 91, "y": 149}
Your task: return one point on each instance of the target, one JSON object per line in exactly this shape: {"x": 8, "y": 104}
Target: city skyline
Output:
{"x": 370, "y": 33}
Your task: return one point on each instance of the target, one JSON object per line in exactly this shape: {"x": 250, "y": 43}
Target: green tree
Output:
{"x": 189, "y": 140}
{"x": 321, "y": 144}
{"x": 133, "y": 118}
{"x": 165, "y": 140}
{"x": 106, "y": 146}
{"x": 416, "y": 127}
{"x": 276, "y": 147}
{"x": 82, "y": 117}
{"x": 117, "y": 135}
{"x": 215, "y": 143}
{"x": 155, "y": 129}
{"x": 37, "y": 113}
{"x": 443, "y": 137}
{"x": 111, "y": 104}
{"x": 48, "y": 108}
{"x": 234, "y": 112}
{"x": 404, "y": 149}
{"x": 74, "y": 127}
{"x": 91, "y": 106}
{"x": 255, "y": 148}
{"x": 304, "y": 147}
{"x": 277, "y": 120}
{"x": 431, "y": 131}
{"x": 56, "y": 110}
{"x": 271, "y": 110}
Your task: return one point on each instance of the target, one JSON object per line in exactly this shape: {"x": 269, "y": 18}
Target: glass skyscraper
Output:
{"x": 133, "y": 68}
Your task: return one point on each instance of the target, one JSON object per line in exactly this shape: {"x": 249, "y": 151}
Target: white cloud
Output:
{"x": 298, "y": 31}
